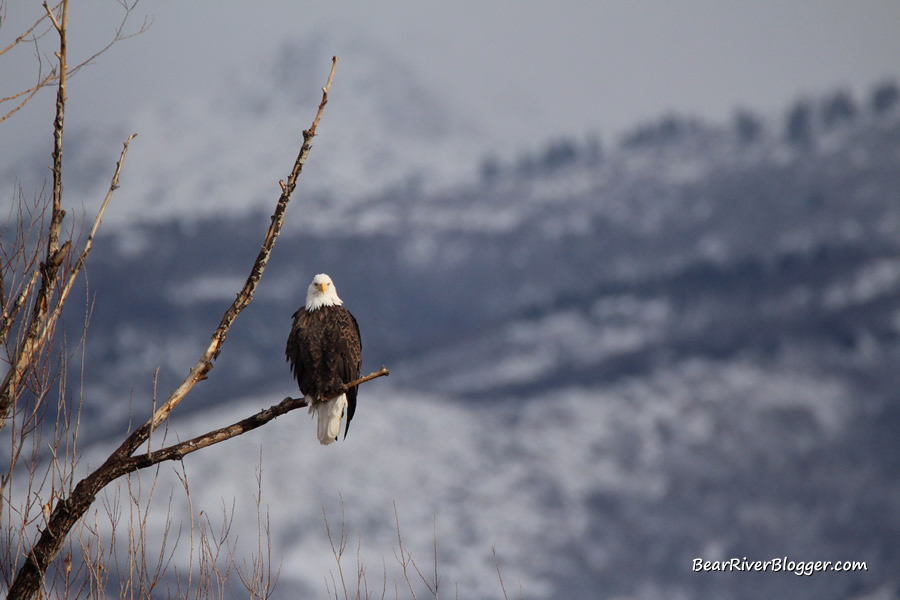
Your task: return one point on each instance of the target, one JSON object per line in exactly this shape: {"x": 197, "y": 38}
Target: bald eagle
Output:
{"x": 324, "y": 350}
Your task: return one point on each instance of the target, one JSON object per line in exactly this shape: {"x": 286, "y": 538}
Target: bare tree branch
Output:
{"x": 24, "y": 35}
{"x": 88, "y": 244}
{"x": 44, "y": 320}
{"x": 53, "y": 76}
{"x": 57, "y": 215}
{"x": 68, "y": 510}
{"x": 10, "y": 317}
{"x": 204, "y": 365}
{"x": 44, "y": 313}
{"x": 499, "y": 576}
{"x": 180, "y": 450}
{"x": 31, "y": 92}
{"x": 55, "y": 255}
{"x": 382, "y": 372}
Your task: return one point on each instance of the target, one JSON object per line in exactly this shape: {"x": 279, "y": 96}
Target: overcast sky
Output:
{"x": 524, "y": 69}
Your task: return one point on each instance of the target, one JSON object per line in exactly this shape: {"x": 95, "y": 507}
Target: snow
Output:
{"x": 871, "y": 281}
{"x": 485, "y": 480}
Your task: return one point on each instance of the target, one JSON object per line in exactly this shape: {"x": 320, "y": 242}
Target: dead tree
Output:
{"x": 36, "y": 279}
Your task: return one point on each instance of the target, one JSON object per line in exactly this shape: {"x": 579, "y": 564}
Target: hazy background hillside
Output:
{"x": 619, "y": 341}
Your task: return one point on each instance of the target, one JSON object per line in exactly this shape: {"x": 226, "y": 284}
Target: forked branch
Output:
{"x": 204, "y": 365}
{"x": 54, "y": 75}
{"x": 24, "y": 35}
{"x": 69, "y": 509}
{"x": 180, "y": 450}
{"x": 54, "y": 255}
{"x": 44, "y": 317}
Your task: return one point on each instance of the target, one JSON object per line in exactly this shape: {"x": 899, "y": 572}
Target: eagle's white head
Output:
{"x": 321, "y": 292}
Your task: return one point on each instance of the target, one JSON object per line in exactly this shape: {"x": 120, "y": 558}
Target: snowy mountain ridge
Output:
{"x": 602, "y": 365}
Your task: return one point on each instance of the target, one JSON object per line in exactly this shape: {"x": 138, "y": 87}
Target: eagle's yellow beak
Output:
{"x": 322, "y": 287}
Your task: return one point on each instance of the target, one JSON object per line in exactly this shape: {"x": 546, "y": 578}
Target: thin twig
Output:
{"x": 382, "y": 372}
{"x": 153, "y": 407}
{"x": 24, "y": 35}
{"x": 70, "y": 71}
{"x": 31, "y": 92}
{"x": 70, "y": 281}
{"x": 9, "y": 319}
{"x": 437, "y": 580}
{"x": 42, "y": 323}
{"x": 404, "y": 559}
{"x": 499, "y": 576}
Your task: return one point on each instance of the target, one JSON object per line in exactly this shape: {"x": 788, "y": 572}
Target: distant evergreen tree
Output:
{"x": 671, "y": 128}
{"x": 490, "y": 169}
{"x": 668, "y": 129}
{"x": 559, "y": 154}
{"x": 838, "y": 109}
{"x": 799, "y": 125}
{"x": 526, "y": 165}
{"x": 885, "y": 97}
{"x": 747, "y": 126}
{"x": 593, "y": 149}
{"x": 639, "y": 136}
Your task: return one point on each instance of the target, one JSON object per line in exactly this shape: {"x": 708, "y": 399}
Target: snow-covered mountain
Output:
{"x": 604, "y": 368}
{"x": 223, "y": 152}
{"x": 605, "y": 364}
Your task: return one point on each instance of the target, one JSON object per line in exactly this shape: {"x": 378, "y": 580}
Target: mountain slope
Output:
{"x": 605, "y": 368}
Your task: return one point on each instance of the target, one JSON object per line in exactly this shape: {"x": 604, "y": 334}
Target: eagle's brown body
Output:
{"x": 325, "y": 352}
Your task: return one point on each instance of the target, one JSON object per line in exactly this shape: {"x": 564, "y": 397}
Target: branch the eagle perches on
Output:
{"x": 69, "y": 509}
{"x": 182, "y": 449}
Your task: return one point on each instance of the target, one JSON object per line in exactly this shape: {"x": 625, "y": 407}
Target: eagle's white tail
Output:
{"x": 329, "y": 414}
